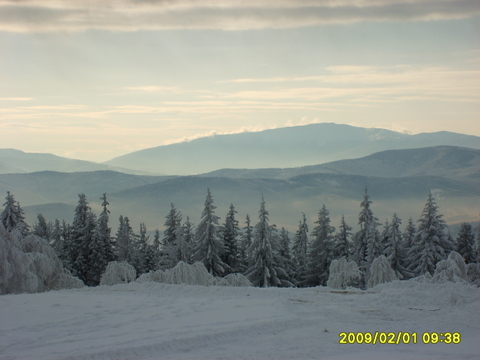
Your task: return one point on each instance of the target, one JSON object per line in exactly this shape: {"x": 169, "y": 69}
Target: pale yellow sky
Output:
{"x": 94, "y": 80}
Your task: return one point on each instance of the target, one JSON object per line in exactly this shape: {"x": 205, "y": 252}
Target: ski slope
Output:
{"x": 161, "y": 321}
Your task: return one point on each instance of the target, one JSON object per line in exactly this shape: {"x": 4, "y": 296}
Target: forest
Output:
{"x": 265, "y": 255}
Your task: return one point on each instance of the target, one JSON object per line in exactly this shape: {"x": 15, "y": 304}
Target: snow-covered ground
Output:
{"x": 160, "y": 321}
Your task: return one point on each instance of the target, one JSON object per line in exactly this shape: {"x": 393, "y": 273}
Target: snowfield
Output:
{"x": 160, "y": 321}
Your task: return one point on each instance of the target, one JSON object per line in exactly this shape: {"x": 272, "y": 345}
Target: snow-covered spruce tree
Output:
{"x": 208, "y": 245}
{"x": 103, "y": 231}
{"x": 384, "y": 237}
{"x": 56, "y": 236}
{"x": 170, "y": 241}
{"x": 430, "y": 241}
{"x": 466, "y": 243}
{"x": 80, "y": 235}
{"x": 90, "y": 261}
{"x": 367, "y": 239}
{"x": 300, "y": 252}
{"x": 125, "y": 240}
{"x": 187, "y": 243}
{"x": 342, "y": 246}
{"x": 42, "y": 228}
{"x": 96, "y": 255}
{"x": 320, "y": 254}
{"x": 141, "y": 251}
{"x": 229, "y": 233}
{"x": 264, "y": 271}
{"x": 12, "y": 216}
{"x": 409, "y": 235}
{"x": 394, "y": 250}
{"x": 246, "y": 243}
{"x": 284, "y": 255}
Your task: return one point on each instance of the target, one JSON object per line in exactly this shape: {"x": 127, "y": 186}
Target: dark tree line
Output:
{"x": 267, "y": 256}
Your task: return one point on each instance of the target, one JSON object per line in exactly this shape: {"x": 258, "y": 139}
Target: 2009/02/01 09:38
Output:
{"x": 400, "y": 337}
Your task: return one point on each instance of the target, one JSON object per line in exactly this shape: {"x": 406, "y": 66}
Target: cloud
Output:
{"x": 16, "y": 99}
{"x": 134, "y": 15}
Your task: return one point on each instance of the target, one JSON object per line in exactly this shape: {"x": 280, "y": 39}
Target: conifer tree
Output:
{"x": 141, "y": 250}
{"x": 170, "y": 242}
{"x": 103, "y": 232}
{"x": 13, "y": 216}
{"x": 300, "y": 252}
{"x": 429, "y": 243}
{"x": 394, "y": 250}
{"x": 342, "y": 244}
{"x": 56, "y": 237}
{"x": 246, "y": 243}
{"x": 80, "y": 236}
{"x": 284, "y": 255}
{"x": 187, "y": 242}
{"x": 230, "y": 232}
{"x": 321, "y": 250}
{"x": 42, "y": 228}
{"x": 264, "y": 271}
{"x": 367, "y": 239}
{"x": 208, "y": 245}
{"x": 409, "y": 235}
{"x": 466, "y": 243}
{"x": 94, "y": 253}
{"x": 89, "y": 262}
{"x": 125, "y": 240}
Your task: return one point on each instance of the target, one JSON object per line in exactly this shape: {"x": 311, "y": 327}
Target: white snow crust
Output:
{"x": 150, "y": 320}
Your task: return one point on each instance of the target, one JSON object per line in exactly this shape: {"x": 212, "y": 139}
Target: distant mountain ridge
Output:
{"x": 14, "y": 161}
{"x": 451, "y": 173}
{"x": 445, "y": 161}
{"x": 281, "y": 148}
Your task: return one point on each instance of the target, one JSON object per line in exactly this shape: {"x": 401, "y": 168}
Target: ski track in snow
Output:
{"x": 160, "y": 321}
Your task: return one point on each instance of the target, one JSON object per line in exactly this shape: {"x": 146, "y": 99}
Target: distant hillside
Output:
{"x": 397, "y": 181}
{"x": 52, "y": 187}
{"x": 446, "y": 161}
{"x": 18, "y": 162}
{"x": 281, "y": 148}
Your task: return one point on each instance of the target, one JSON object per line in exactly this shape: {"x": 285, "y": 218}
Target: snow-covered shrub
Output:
{"x": 473, "y": 273}
{"x": 452, "y": 269}
{"x": 237, "y": 279}
{"x": 65, "y": 280}
{"x": 195, "y": 274}
{"x": 184, "y": 273}
{"x": 343, "y": 273}
{"x": 118, "y": 272}
{"x": 380, "y": 272}
{"x": 145, "y": 277}
{"x": 29, "y": 264}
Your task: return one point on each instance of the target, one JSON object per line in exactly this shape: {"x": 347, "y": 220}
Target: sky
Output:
{"x": 96, "y": 79}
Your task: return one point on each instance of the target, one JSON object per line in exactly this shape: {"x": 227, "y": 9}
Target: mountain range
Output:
{"x": 287, "y": 147}
{"x": 397, "y": 181}
{"x": 281, "y": 148}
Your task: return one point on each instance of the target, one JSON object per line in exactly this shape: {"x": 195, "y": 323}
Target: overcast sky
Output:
{"x": 97, "y": 79}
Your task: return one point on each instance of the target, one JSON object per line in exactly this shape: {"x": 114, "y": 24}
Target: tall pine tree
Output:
{"x": 13, "y": 216}
{"x": 430, "y": 241}
{"x": 208, "y": 245}
{"x": 230, "y": 232}
{"x": 264, "y": 270}
{"x": 394, "y": 250}
{"x": 342, "y": 243}
{"x": 466, "y": 243}
{"x": 300, "y": 252}
{"x": 321, "y": 250}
